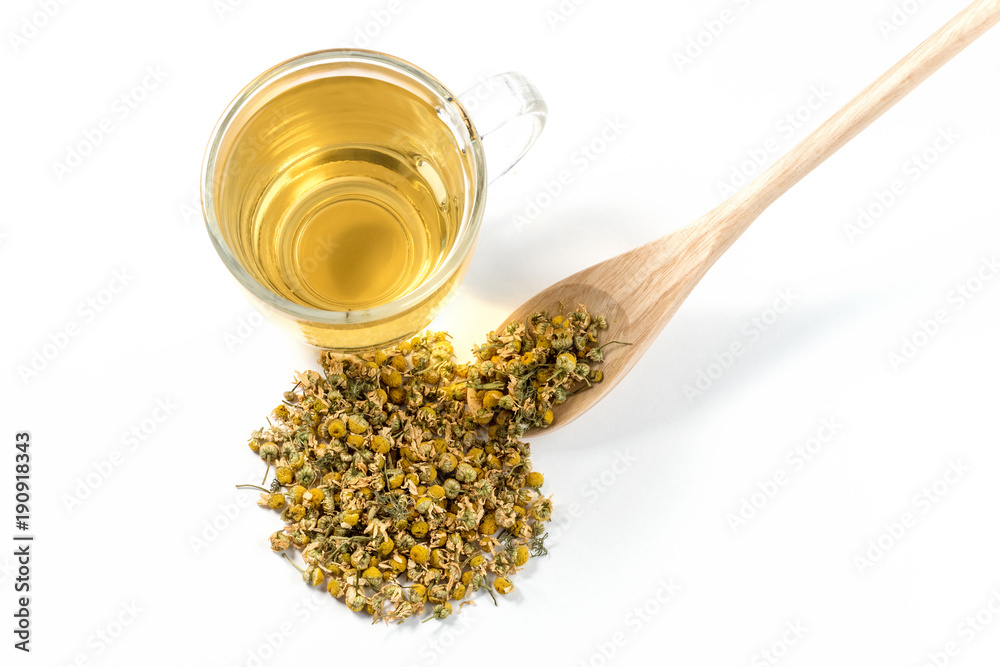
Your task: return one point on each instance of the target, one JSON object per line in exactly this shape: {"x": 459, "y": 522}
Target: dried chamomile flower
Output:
{"x": 419, "y": 554}
{"x": 521, "y": 555}
{"x": 280, "y": 541}
{"x": 441, "y": 611}
{"x": 502, "y": 585}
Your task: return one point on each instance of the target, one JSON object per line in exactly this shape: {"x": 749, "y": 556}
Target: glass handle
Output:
{"x": 509, "y": 114}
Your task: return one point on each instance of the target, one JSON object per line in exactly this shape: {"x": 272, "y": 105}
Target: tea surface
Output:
{"x": 346, "y": 193}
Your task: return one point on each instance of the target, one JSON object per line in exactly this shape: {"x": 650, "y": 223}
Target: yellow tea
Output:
{"x": 344, "y": 192}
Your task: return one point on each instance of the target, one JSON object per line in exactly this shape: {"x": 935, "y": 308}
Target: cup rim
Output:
{"x": 461, "y": 248}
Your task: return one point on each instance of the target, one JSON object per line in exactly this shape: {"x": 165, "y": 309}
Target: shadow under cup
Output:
{"x": 344, "y": 190}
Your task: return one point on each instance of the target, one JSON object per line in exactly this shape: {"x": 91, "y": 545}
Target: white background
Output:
{"x": 128, "y": 568}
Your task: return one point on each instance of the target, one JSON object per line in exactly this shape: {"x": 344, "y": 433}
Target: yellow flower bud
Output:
{"x": 419, "y": 554}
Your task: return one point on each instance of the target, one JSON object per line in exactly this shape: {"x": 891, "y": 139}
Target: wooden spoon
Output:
{"x": 640, "y": 290}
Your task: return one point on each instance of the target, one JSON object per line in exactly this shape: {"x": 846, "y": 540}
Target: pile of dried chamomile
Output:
{"x": 400, "y": 474}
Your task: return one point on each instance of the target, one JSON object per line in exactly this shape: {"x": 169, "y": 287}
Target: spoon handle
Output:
{"x": 731, "y": 218}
